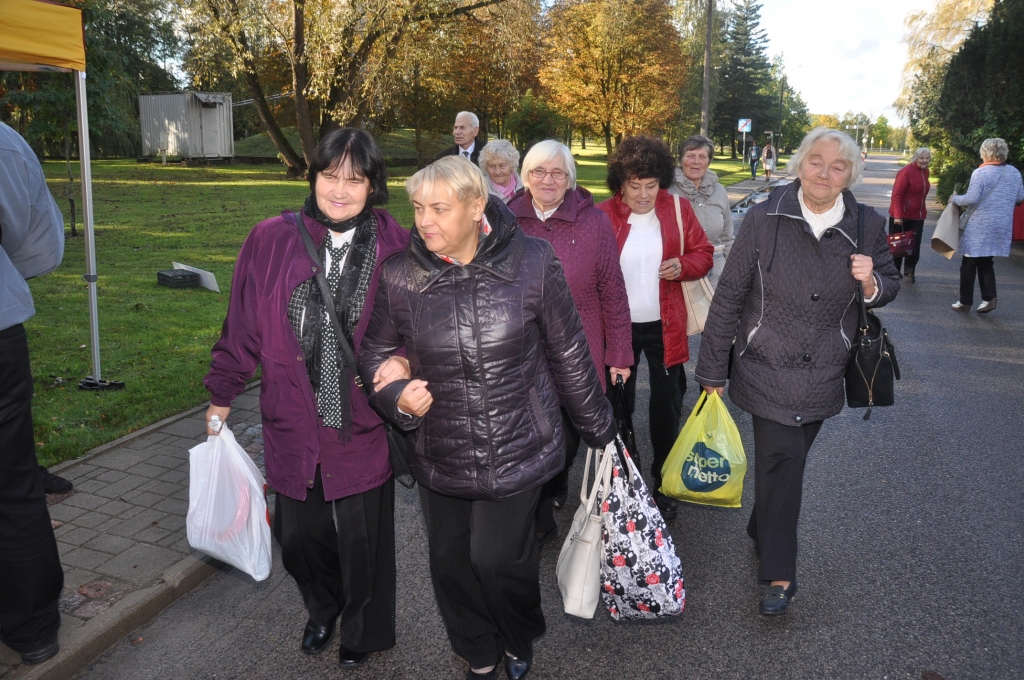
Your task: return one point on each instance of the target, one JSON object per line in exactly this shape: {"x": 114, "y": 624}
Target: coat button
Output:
{"x": 798, "y": 419}
{"x": 815, "y": 297}
{"x": 828, "y": 234}
{"x": 313, "y": 268}
{"x": 807, "y": 357}
{"x": 298, "y": 358}
{"x": 310, "y": 482}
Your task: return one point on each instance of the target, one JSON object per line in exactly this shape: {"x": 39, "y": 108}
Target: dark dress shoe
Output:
{"x": 669, "y": 507}
{"x": 45, "y": 650}
{"x": 316, "y": 637}
{"x": 516, "y": 667}
{"x": 349, "y": 659}
{"x": 776, "y": 599}
{"x": 54, "y": 484}
{"x": 559, "y": 498}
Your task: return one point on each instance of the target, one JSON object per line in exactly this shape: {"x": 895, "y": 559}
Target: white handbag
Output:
{"x": 696, "y": 294}
{"x": 579, "y": 563}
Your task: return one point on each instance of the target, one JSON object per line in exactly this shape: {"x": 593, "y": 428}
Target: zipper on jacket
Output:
{"x": 483, "y": 382}
{"x": 757, "y": 326}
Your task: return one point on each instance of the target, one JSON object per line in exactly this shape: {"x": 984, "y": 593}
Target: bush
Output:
{"x": 533, "y": 121}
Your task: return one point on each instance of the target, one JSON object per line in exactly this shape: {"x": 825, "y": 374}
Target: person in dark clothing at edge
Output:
{"x": 491, "y": 332}
{"x": 31, "y": 244}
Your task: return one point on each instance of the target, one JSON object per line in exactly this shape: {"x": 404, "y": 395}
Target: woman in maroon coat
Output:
{"x": 326, "y": 450}
{"x": 908, "y": 209}
{"x": 643, "y": 215}
{"x": 555, "y": 209}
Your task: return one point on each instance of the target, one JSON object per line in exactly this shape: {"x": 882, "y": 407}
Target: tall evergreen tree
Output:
{"x": 745, "y": 80}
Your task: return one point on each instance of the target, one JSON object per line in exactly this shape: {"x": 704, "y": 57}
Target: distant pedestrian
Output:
{"x": 489, "y": 324}
{"x": 656, "y": 258}
{"x": 555, "y": 208}
{"x": 908, "y": 207}
{"x": 994, "y": 190}
{"x": 695, "y": 182}
{"x": 754, "y": 157}
{"x": 500, "y": 161}
{"x": 326, "y": 448}
{"x": 769, "y": 157}
{"x": 787, "y": 297}
{"x": 31, "y": 245}
{"x": 464, "y": 132}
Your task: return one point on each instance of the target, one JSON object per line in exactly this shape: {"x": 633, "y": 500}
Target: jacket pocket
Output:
{"x": 539, "y": 415}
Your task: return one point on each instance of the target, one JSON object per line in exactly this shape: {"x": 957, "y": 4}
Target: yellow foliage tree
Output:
{"x": 614, "y": 65}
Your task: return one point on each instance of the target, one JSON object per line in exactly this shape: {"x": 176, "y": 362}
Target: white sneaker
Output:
{"x": 986, "y": 306}
{"x": 959, "y": 307}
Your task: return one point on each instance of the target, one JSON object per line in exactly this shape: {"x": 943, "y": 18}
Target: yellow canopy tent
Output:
{"x": 44, "y": 36}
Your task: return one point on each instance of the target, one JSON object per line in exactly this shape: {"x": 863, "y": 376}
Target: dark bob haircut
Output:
{"x": 640, "y": 157}
{"x": 359, "y": 149}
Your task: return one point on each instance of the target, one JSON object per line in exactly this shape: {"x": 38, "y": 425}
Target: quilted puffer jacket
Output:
{"x": 498, "y": 341}
{"x": 789, "y": 300}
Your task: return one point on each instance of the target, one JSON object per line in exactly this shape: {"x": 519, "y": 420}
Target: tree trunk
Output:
{"x": 300, "y": 79}
{"x": 705, "y": 108}
{"x": 71, "y": 177}
{"x": 607, "y": 128}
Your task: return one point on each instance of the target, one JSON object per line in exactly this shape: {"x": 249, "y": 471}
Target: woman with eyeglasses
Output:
{"x": 555, "y": 209}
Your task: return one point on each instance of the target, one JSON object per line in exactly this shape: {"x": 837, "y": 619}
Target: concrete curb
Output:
{"x": 80, "y": 646}
{"x": 120, "y": 441}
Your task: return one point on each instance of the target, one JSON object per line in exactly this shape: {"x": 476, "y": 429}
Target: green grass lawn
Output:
{"x": 157, "y": 339}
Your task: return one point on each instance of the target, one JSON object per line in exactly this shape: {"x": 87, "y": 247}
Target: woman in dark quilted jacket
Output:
{"x": 788, "y": 298}
{"x": 494, "y": 346}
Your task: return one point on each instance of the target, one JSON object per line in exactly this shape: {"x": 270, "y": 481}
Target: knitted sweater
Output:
{"x": 585, "y": 244}
{"x": 990, "y": 229}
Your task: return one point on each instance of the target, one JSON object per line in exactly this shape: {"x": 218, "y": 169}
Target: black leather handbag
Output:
{"x": 398, "y": 444}
{"x": 872, "y": 370}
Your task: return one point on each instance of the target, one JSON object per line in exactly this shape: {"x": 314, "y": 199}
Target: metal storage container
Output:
{"x": 187, "y": 124}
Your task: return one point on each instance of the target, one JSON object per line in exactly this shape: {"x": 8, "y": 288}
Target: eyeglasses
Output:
{"x": 540, "y": 173}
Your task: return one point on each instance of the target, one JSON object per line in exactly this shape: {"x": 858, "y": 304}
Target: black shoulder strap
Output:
{"x": 860, "y": 251}
{"x": 325, "y": 292}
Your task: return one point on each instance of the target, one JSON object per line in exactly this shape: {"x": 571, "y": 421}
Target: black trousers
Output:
{"x": 780, "y": 455}
{"x": 342, "y": 556}
{"x": 30, "y": 571}
{"x": 485, "y": 569}
{"x": 559, "y": 483}
{"x": 907, "y": 264}
{"x": 981, "y": 268}
{"x": 667, "y": 387}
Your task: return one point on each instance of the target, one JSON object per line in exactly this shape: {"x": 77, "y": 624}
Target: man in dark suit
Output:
{"x": 467, "y": 126}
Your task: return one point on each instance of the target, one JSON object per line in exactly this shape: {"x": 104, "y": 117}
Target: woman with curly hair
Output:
{"x": 661, "y": 244}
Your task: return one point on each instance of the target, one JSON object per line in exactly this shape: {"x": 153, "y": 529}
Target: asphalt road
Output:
{"x": 910, "y": 554}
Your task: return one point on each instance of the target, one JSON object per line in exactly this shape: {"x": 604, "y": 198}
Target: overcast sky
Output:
{"x": 841, "y": 56}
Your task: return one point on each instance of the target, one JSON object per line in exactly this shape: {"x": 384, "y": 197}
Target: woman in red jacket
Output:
{"x": 907, "y": 210}
{"x": 647, "y": 233}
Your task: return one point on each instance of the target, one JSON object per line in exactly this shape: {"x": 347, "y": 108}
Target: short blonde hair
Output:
{"x": 499, "y": 148}
{"x": 457, "y": 175}
{"x": 545, "y": 152}
{"x": 994, "y": 149}
{"x": 848, "y": 149}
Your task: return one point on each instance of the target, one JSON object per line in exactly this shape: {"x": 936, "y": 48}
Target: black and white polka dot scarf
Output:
{"x": 326, "y": 367}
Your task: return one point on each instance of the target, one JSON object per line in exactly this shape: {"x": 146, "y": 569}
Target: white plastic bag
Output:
{"x": 227, "y": 505}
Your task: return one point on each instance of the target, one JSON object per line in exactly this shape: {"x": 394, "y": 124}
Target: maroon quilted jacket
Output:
{"x": 500, "y": 343}
{"x": 584, "y": 243}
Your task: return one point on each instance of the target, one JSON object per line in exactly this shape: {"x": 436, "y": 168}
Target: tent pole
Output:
{"x": 95, "y": 381}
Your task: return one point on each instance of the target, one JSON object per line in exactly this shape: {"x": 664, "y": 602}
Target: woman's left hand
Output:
{"x": 671, "y": 269}
{"x": 862, "y": 268}
{"x": 395, "y": 368}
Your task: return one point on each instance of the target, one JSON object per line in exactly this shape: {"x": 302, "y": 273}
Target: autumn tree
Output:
{"x": 614, "y": 65}
{"x": 338, "y": 51}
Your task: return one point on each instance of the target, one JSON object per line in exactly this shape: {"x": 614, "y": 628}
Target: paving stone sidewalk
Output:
{"x": 737, "y": 192}
{"x": 121, "y": 534}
